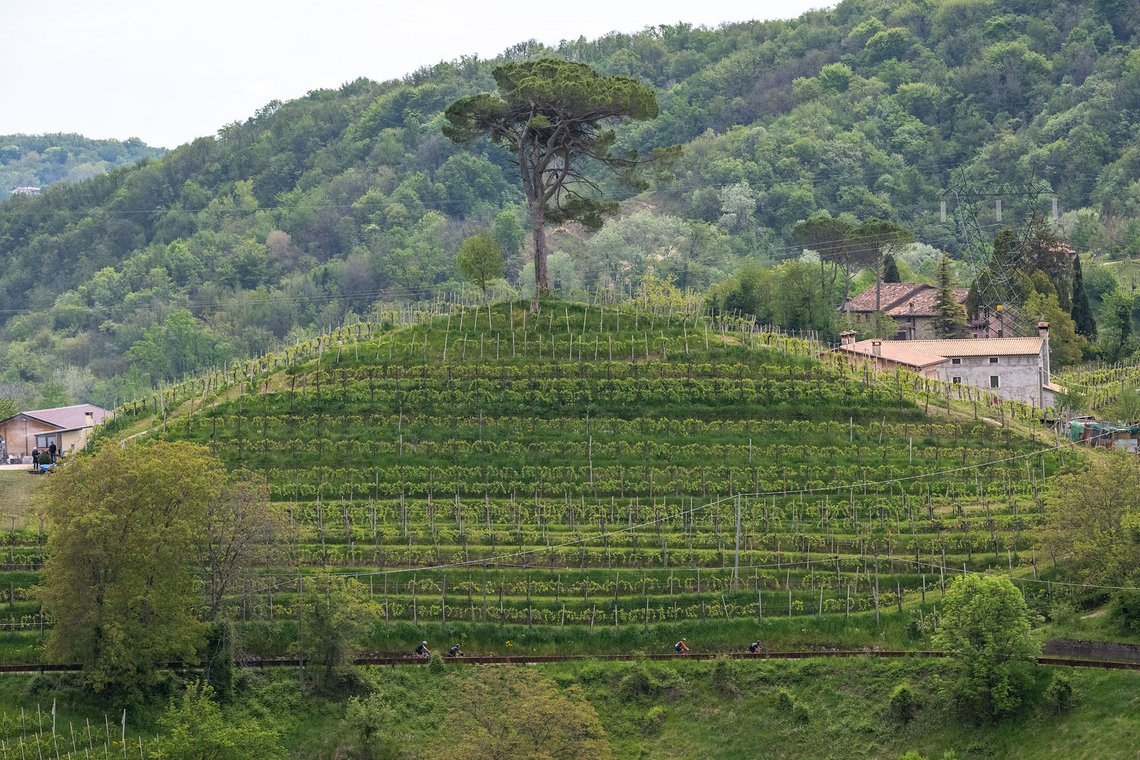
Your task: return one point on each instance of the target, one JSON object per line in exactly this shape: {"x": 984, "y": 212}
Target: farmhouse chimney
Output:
{"x": 89, "y": 419}
{"x": 877, "y": 347}
{"x": 847, "y": 337}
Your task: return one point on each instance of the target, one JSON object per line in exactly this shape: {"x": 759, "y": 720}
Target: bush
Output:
{"x": 436, "y": 665}
{"x": 902, "y": 705}
{"x": 653, "y": 719}
{"x": 724, "y": 678}
{"x": 787, "y": 704}
{"x": 641, "y": 681}
{"x": 1124, "y": 612}
{"x": 1059, "y": 693}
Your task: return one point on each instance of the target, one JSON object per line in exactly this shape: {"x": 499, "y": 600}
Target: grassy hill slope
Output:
{"x": 570, "y": 481}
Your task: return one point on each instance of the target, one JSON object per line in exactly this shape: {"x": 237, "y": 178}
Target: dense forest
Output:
{"x": 42, "y": 160}
{"x": 311, "y": 212}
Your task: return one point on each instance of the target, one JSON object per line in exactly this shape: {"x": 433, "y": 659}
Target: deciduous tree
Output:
{"x": 480, "y": 260}
{"x": 336, "y": 616}
{"x": 985, "y": 625}
{"x": 125, "y": 531}
{"x": 506, "y": 714}
{"x": 1093, "y": 521}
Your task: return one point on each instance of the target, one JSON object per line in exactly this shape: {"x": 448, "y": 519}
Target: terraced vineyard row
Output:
{"x": 704, "y": 475}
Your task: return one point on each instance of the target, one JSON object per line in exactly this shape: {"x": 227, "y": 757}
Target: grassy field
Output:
{"x": 720, "y": 709}
{"x": 17, "y": 498}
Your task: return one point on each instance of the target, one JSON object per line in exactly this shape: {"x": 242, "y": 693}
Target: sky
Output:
{"x": 168, "y": 73}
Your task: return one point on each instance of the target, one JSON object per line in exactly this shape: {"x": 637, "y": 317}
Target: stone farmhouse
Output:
{"x": 1009, "y": 368}
{"x": 67, "y": 427}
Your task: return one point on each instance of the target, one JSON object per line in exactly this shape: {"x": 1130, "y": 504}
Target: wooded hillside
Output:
{"x": 310, "y": 211}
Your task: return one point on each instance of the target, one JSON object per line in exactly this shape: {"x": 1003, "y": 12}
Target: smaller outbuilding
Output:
{"x": 66, "y": 426}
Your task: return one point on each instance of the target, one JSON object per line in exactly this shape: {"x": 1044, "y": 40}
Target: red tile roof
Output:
{"x": 69, "y": 417}
{"x": 927, "y": 353}
{"x": 892, "y": 293}
{"x": 925, "y": 301}
{"x": 895, "y": 351}
{"x": 977, "y": 346}
{"x": 895, "y": 299}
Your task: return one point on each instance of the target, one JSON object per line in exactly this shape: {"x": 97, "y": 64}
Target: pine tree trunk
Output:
{"x": 538, "y": 229}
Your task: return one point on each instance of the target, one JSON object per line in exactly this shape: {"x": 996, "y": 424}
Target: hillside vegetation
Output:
{"x": 307, "y": 213}
{"x": 42, "y": 160}
{"x": 600, "y": 476}
{"x": 590, "y": 479}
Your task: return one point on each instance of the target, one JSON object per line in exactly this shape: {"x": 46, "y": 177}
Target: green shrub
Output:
{"x": 724, "y": 678}
{"x": 1124, "y": 612}
{"x": 1059, "y": 693}
{"x": 787, "y": 704}
{"x": 902, "y": 705}
{"x": 436, "y": 665}
{"x": 653, "y": 719}
{"x": 641, "y": 681}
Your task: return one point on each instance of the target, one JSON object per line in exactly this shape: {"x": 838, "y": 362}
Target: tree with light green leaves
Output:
{"x": 336, "y": 616}
{"x": 480, "y": 260}
{"x": 1093, "y": 521}
{"x": 552, "y": 118}
{"x": 125, "y": 530}
{"x": 193, "y": 727}
{"x": 985, "y": 625}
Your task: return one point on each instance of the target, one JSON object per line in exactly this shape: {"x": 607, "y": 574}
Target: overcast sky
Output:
{"x": 168, "y": 73}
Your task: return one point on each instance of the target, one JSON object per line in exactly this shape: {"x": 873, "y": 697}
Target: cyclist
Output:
{"x": 754, "y": 647}
{"x": 422, "y": 650}
{"x": 455, "y": 651}
{"x": 681, "y": 647}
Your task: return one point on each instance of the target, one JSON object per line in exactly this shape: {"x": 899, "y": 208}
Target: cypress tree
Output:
{"x": 890, "y": 269}
{"x": 950, "y": 318}
{"x": 1081, "y": 313}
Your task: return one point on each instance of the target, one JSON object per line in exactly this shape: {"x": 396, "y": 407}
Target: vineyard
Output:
{"x": 1101, "y": 384}
{"x": 598, "y": 475}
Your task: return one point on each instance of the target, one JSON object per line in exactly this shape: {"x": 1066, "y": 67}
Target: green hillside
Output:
{"x": 42, "y": 160}
{"x": 567, "y": 482}
{"x": 310, "y": 212}
{"x": 571, "y": 481}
